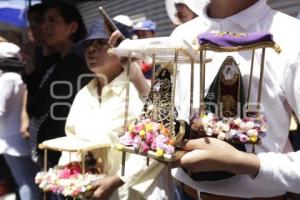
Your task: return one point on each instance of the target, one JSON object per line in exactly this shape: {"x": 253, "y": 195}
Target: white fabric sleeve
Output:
{"x": 70, "y": 132}
{"x": 6, "y": 88}
{"x": 134, "y": 165}
{"x": 70, "y": 122}
{"x": 282, "y": 170}
{"x": 279, "y": 173}
{"x": 290, "y": 84}
{"x": 136, "y": 171}
{"x": 237, "y": 186}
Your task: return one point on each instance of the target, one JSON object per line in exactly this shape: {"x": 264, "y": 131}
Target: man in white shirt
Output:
{"x": 15, "y": 149}
{"x": 281, "y": 88}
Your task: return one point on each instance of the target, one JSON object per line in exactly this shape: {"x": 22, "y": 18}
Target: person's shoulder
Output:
{"x": 11, "y": 79}
{"x": 285, "y": 22}
{"x": 72, "y": 65}
{"x": 87, "y": 90}
{"x": 11, "y": 76}
{"x": 285, "y": 30}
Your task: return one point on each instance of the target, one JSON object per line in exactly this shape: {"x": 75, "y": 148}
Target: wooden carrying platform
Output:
{"x": 71, "y": 144}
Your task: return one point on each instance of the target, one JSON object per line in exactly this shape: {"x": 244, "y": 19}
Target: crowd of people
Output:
{"x": 64, "y": 82}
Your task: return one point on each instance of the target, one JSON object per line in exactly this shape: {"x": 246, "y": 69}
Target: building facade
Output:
{"x": 155, "y": 10}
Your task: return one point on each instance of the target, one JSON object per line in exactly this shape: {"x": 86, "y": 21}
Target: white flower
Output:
{"x": 219, "y": 124}
{"x": 238, "y": 121}
{"x": 209, "y": 132}
{"x": 216, "y": 130}
{"x": 222, "y": 136}
{"x": 210, "y": 116}
{"x": 243, "y": 125}
{"x": 232, "y": 133}
{"x": 249, "y": 125}
{"x": 225, "y": 127}
{"x": 205, "y": 121}
{"x": 252, "y": 132}
{"x": 212, "y": 123}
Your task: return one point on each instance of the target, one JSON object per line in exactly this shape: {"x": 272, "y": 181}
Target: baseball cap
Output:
{"x": 9, "y": 50}
{"x": 123, "y": 19}
{"x": 10, "y": 57}
{"x": 146, "y": 25}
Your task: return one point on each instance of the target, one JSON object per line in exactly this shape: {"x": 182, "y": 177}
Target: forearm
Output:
{"x": 244, "y": 163}
{"x": 254, "y": 172}
{"x": 118, "y": 182}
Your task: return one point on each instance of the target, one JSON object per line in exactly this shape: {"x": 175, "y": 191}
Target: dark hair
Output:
{"x": 39, "y": 8}
{"x": 70, "y": 14}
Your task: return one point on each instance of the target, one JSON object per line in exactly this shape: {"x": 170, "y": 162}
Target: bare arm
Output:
{"x": 24, "y": 118}
{"x": 136, "y": 75}
{"x": 271, "y": 173}
{"x": 208, "y": 154}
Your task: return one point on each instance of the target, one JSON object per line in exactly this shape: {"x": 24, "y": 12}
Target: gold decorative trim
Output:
{"x": 180, "y": 134}
{"x": 259, "y": 45}
{"x": 221, "y": 34}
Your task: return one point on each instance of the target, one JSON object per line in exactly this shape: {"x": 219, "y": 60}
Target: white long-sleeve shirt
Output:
{"x": 280, "y": 96}
{"x": 12, "y": 91}
{"x": 282, "y": 170}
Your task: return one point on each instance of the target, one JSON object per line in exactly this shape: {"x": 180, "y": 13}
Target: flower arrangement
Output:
{"x": 148, "y": 137}
{"x": 235, "y": 130}
{"x": 68, "y": 181}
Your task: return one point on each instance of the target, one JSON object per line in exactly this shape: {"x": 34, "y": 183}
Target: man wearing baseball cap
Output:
{"x": 145, "y": 29}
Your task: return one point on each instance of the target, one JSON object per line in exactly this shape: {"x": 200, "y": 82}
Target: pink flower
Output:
{"x": 74, "y": 168}
{"x": 243, "y": 138}
{"x": 162, "y": 138}
{"x": 137, "y": 142}
{"x": 149, "y": 138}
{"x": 153, "y": 145}
{"x": 127, "y": 139}
{"x": 138, "y": 128}
{"x": 246, "y": 119}
{"x": 169, "y": 149}
{"x": 76, "y": 192}
{"x": 160, "y": 145}
{"x": 146, "y": 121}
{"x": 144, "y": 147}
{"x": 65, "y": 174}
